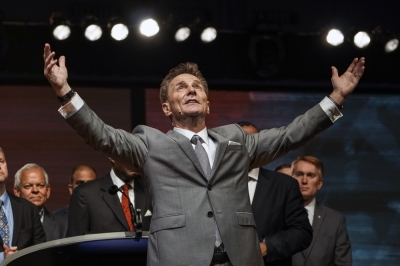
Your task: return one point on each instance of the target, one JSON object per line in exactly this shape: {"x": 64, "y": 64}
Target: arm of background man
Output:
{"x": 78, "y": 216}
{"x": 343, "y": 254}
{"x": 297, "y": 237}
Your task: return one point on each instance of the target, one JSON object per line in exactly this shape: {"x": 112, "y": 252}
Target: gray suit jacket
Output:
{"x": 330, "y": 244}
{"x": 184, "y": 203}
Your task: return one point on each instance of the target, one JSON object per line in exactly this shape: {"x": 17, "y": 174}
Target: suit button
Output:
{"x": 209, "y": 187}
{"x": 210, "y": 214}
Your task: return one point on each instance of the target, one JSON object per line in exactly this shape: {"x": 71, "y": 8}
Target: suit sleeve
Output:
{"x": 298, "y": 234}
{"x": 343, "y": 254}
{"x": 270, "y": 144}
{"x": 78, "y": 216}
{"x": 127, "y": 148}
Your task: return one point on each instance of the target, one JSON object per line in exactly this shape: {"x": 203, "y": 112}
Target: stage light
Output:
{"x": 391, "y": 45}
{"x": 149, "y": 27}
{"x": 93, "y": 30}
{"x": 60, "y": 25}
{"x": 119, "y": 32}
{"x": 362, "y": 39}
{"x": 209, "y": 34}
{"x": 335, "y": 37}
{"x": 182, "y": 34}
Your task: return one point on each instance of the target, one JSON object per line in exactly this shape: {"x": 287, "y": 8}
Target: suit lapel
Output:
{"x": 49, "y": 223}
{"x": 187, "y": 148}
{"x": 219, "y": 154}
{"x": 263, "y": 183}
{"x": 319, "y": 216}
{"x": 17, "y": 215}
{"x": 113, "y": 202}
{"x": 140, "y": 196}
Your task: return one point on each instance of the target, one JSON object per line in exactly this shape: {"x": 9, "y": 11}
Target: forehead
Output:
{"x": 83, "y": 173}
{"x": 33, "y": 174}
{"x": 305, "y": 166}
{"x": 188, "y": 78}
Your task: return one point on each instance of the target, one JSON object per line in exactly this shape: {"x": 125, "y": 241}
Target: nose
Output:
{"x": 304, "y": 179}
{"x": 35, "y": 189}
{"x": 191, "y": 90}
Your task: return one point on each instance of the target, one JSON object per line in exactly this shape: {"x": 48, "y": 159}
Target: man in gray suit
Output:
{"x": 197, "y": 177}
{"x": 330, "y": 244}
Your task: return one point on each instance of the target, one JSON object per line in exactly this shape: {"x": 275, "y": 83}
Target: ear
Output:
{"x": 320, "y": 184}
{"x": 17, "y": 191}
{"x": 166, "y": 108}
{"x": 48, "y": 191}
{"x": 208, "y": 107}
{"x": 70, "y": 188}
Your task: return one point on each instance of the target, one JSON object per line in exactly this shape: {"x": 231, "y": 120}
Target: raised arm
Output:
{"x": 344, "y": 85}
{"x": 56, "y": 74}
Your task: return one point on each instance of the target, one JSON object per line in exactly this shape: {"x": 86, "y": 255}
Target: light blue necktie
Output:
{"x": 4, "y": 229}
{"x": 205, "y": 164}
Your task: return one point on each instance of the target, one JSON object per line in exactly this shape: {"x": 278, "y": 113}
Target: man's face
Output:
{"x": 186, "y": 97}
{"x": 3, "y": 168}
{"x": 309, "y": 180}
{"x": 33, "y": 187}
{"x": 81, "y": 176}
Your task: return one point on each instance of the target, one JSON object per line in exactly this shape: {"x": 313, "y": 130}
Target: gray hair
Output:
{"x": 17, "y": 180}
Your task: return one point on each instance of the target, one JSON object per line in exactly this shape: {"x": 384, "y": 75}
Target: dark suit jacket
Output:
{"x": 93, "y": 210}
{"x": 62, "y": 213}
{"x": 280, "y": 216}
{"x": 28, "y": 229}
{"x": 330, "y": 244}
{"x": 54, "y": 226}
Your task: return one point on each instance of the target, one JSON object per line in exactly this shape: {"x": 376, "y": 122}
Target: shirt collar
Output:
{"x": 311, "y": 206}
{"x": 254, "y": 173}
{"x": 5, "y": 198}
{"x": 117, "y": 181}
{"x": 203, "y": 134}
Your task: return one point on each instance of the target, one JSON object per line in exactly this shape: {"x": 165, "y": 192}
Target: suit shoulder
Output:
{"x": 229, "y": 131}
{"x": 332, "y": 212}
{"x": 142, "y": 129}
{"x": 278, "y": 177}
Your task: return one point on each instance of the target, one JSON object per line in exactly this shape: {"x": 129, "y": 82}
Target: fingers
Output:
{"x": 334, "y": 72}
{"x": 62, "y": 61}
{"x": 352, "y": 65}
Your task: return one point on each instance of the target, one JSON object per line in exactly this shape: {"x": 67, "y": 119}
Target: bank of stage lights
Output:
{"x": 119, "y": 31}
{"x": 362, "y": 39}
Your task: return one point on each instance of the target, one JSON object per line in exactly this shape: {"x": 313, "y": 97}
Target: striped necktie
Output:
{"x": 4, "y": 229}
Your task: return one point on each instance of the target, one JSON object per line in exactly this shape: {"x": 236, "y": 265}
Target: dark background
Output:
{"x": 266, "y": 82}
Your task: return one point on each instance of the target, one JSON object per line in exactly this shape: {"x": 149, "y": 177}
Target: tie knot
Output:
{"x": 195, "y": 139}
{"x": 126, "y": 188}
{"x": 41, "y": 212}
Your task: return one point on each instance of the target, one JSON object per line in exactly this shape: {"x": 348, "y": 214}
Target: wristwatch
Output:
{"x": 66, "y": 97}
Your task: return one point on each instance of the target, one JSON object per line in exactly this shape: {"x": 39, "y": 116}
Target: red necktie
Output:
{"x": 125, "y": 206}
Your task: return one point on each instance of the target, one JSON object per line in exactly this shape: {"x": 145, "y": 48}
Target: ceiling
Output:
{"x": 260, "y": 43}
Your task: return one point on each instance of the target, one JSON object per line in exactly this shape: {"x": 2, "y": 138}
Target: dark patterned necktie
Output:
{"x": 205, "y": 164}
{"x": 4, "y": 229}
{"x": 125, "y": 206}
{"x": 202, "y": 156}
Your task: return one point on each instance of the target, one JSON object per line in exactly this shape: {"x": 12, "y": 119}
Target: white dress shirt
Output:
{"x": 310, "y": 208}
{"x": 119, "y": 183}
{"x": 208, "y": 143}
{"x": 253, "y": 179}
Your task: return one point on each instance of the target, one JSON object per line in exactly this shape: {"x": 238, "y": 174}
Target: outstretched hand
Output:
{"x": 56, "y": 74}
{"x": 344, "y": 85}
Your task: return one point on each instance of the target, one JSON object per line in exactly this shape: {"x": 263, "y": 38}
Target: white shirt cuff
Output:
{"x": 72, "y": 107}
{"x": 330, "y": 109}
